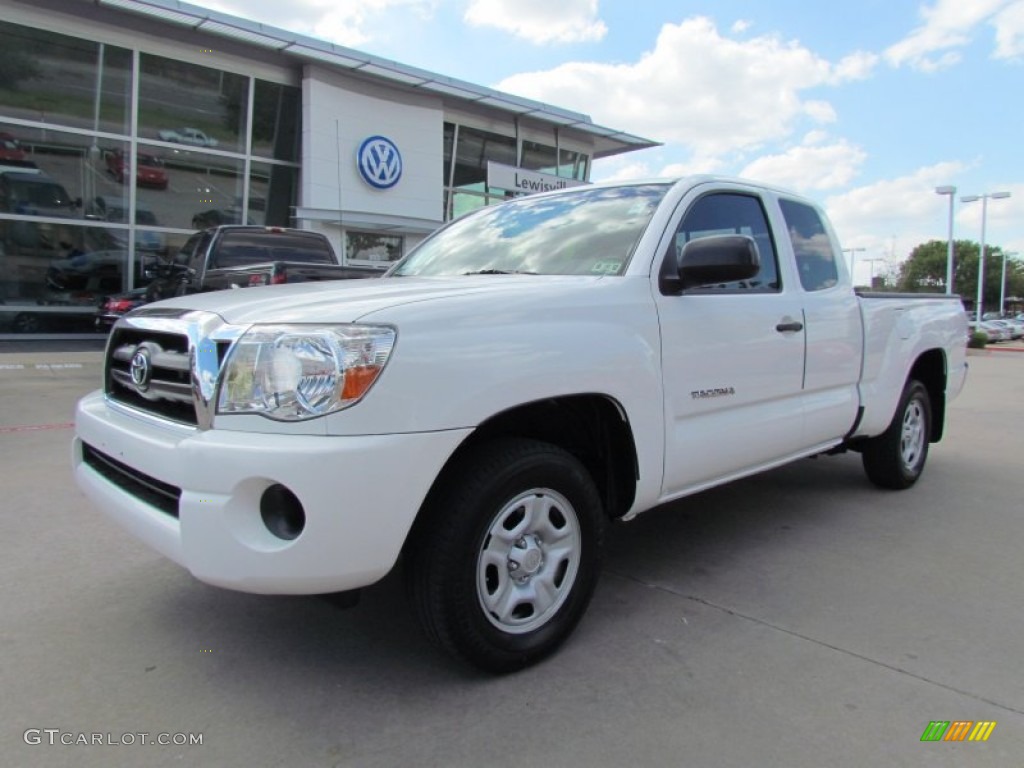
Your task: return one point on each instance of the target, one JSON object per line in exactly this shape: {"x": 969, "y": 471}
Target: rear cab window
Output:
{"x": 240, "y": 248}
{"x": 812, "y": 246}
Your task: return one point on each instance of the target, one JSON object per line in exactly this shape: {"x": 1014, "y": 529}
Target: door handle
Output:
{"x": 793, "y": 326}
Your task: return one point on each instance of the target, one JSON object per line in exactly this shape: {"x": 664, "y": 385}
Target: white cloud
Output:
{"x": 697, "y": 88}
{"x": 739, "y": 26}
{"x": 856, "y": 66}
{"x": 1009, "y": 24}
{"x": 890, "y": 217}
{"x": 540, "y": 21}
{"x": 820, "y": 111}
{"x": 812, "y": 166}
{"x": 695, "y": 166}
{"x": 338, "y": 21}
{"x": 628, "y": 167}
{"x": 1001, "y": 216}
{"x": 617, "y": 169}
{"x": 947, "y": 26}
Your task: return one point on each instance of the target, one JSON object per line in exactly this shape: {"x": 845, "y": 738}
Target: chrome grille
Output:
{"x": 164, "y": 387}
{"x": 166, "y": 364}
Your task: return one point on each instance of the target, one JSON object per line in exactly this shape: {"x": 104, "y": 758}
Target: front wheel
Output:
{"x": 506, "y": 554}
{"x": 27, "y": 322}
{"x": 895, "y": 459}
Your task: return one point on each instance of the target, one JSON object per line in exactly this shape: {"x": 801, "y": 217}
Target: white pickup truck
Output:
{"x": 528, "y": 374}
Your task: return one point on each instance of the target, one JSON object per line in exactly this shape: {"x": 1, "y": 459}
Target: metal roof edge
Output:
{"x": 310, "y": 48}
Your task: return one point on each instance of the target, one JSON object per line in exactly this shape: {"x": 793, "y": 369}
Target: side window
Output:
{"x": 186, "y": 256}
{"x": 197, "y": 256}
{"x": 727, "y": 213}
{"x": 815, "y": 258}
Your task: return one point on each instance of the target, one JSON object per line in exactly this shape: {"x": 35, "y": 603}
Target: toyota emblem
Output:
{"x": 141, "y": 370}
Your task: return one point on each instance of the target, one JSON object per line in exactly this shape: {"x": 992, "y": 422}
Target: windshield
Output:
{"x": 41, "y": 193}
{"x": 586, "y": 231}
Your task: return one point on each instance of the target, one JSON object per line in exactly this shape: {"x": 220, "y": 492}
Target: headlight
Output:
{"x": 295, "y": 372}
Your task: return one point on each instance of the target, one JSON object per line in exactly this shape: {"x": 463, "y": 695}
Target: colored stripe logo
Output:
{"x": 958, "y": 730}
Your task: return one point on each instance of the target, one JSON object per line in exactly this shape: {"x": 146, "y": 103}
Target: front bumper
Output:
{"x": 360, "y": 495}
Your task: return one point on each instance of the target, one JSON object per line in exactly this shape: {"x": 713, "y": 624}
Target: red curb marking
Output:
{"x": 36, "y": 427}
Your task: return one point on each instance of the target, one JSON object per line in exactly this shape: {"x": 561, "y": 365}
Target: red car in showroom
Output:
{"x": 10, "y": 149}
{"x": 149, "y": 169}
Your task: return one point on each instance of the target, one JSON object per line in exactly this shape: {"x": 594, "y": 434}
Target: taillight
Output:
{"x": 257, "y": 280}
{"x": 120, "y": 305}
{"x": 279, "y": 278}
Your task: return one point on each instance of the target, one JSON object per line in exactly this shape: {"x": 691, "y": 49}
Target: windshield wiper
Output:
{"x": 498, "y": 272}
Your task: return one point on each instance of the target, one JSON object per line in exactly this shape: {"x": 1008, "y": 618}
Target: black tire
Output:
{"x": 27, "y": 322}
{"x": 895, "y": 459}
{"x": 505, "y": 555}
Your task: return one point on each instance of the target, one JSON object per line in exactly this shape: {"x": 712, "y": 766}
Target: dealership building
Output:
{"x": 127, "y": 125}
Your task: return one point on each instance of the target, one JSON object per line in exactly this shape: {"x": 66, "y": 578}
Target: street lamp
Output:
{"x": 1002, "y": 284}
{"x": 981, "y": 253}
{"x": 951, "y": 191}
{"x": 853, "y": 256}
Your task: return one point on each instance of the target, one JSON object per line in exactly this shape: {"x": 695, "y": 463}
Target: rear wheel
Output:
{"x": 506, "y": 555}
{"x": 895, "y": 459}
{"x": 27, "y": 322}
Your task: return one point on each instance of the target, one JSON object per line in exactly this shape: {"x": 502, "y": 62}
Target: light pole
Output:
{"x": 951, "y": 191}
{"x": 981, "y": 253}
{"x": 853, "y": 256}
{"x": 1002, "y": 284}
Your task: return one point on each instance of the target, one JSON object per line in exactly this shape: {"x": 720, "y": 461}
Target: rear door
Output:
{"x": 732, "y": 354}
{"x": 833, "y": 324}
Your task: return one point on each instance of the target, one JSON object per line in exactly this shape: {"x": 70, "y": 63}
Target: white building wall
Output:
{"x": 338, "y": 114}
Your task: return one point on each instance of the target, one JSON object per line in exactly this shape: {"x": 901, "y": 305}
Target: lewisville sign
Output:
{"x": 523, "y": 181}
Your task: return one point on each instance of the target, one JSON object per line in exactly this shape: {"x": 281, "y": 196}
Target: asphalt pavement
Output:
{"x": 801, "y": 618}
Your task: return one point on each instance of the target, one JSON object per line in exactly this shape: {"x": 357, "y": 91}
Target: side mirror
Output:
{"x": 713, "y": 260}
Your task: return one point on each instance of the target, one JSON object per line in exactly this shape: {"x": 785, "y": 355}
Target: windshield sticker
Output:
{"x": 606, "y": 267}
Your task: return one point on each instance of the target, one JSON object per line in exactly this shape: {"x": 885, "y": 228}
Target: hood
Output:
{"x": 349, "y": 301}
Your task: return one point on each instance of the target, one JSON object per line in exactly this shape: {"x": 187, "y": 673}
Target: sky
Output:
{"x": 865, "y": 107}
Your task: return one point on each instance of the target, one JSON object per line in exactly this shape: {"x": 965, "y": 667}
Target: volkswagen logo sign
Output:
{"x": 379, "y": 162}
{"x": 141, "y": 370}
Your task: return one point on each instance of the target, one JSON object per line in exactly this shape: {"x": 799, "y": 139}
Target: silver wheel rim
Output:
{"x": 912, "y": 435}
{"x": 528, "y": 561}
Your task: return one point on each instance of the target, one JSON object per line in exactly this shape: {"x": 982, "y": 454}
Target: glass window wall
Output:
{"x": 86, "y": 208}
{"x": 272, "y": 194}
{"x": 467, "y": 151}
{"x": 191, "y": 105}
{"x": 572, "y": 165}
{"x": 275, "y": 121}
{"x": 372, "y": 249}
{"x": 52, "y": 78}
{"x": 539, "y": 157}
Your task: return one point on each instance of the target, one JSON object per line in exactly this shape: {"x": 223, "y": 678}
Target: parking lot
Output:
{"x": 800, "y": 618}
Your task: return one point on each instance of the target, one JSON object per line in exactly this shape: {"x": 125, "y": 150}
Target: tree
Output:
{"x": 15, "y": 66}
{"x": 925, "y": 271}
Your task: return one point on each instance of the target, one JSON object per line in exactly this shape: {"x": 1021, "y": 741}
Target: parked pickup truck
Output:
{"x": 244, "y": 256}
{"x": 236, "y": 257}
{"x": 528, "y": 374}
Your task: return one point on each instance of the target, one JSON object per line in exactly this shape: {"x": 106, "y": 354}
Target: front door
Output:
{"x": 732, "y": 357}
